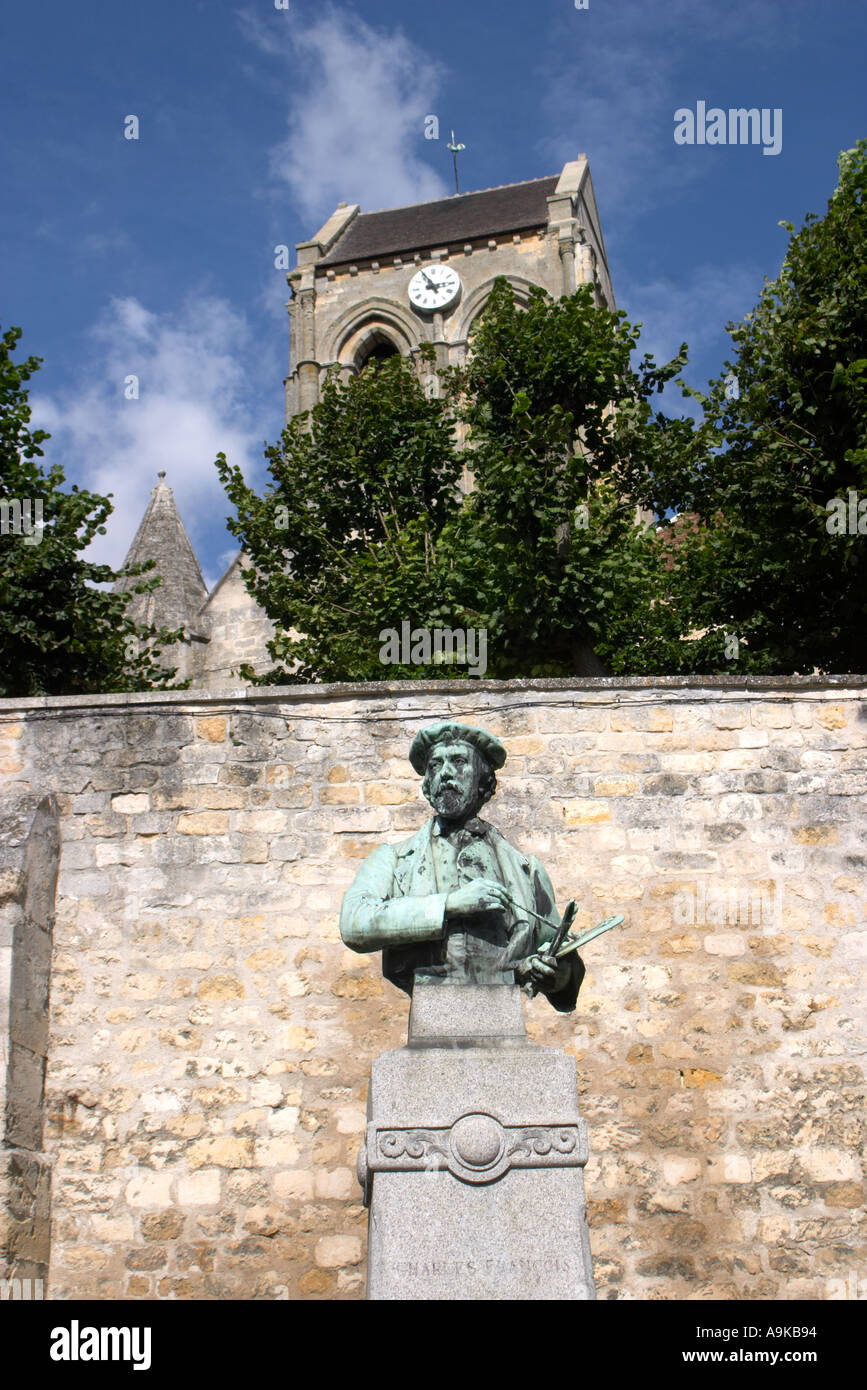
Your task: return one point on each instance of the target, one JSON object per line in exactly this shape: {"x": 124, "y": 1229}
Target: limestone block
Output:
{"x": 203, "y": 823}
{"x": 149, "y": 1190}
{"x": 681, "y": 1170}
{"x": 730, "y": 1168}
{"x": 132, "y": 805}
{"x": 213, "y": 729}
{"x": 336, "y": 1184}
{"x": 294, "y": 1185}
{"x": 333, "y": 1252}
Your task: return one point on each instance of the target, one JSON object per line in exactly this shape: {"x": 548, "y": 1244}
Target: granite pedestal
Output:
{"x": 474, "y": 1156}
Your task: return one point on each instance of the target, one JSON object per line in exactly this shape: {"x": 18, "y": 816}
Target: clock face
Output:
{"x": 434, "y": 287}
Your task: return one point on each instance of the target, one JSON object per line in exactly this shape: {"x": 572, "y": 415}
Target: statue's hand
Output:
{"x": 483, "y": 895}
{"x": 543, "y": 972}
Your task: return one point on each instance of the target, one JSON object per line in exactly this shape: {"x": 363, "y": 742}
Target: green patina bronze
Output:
{"x": 457, "y": 902}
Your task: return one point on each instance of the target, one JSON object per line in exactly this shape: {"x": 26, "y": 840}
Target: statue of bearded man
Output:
{"x": 457, "y": 902}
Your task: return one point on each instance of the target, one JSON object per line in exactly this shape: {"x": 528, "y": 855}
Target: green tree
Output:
{"x": 548, "y": 552}
{"x": 345, "y": 541}
{"x": 363, "y": 525}
{"x": 58, "y": 634}
{"x": 784, "y": 433}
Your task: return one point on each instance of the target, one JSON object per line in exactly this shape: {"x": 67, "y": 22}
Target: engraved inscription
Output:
{"x": 496, "y": 1265}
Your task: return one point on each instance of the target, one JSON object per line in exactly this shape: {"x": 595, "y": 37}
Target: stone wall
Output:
{"x": 211, "y": 1037}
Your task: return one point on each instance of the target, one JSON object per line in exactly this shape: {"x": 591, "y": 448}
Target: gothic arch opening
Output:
{"x": 375, "y": 346}
{"x": 374, "y": 334}
{"x": 477, "y": 302}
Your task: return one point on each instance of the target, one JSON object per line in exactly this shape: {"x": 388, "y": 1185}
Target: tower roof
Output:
{"x": 161, "y": 537}
{"x": 513, "y": 207}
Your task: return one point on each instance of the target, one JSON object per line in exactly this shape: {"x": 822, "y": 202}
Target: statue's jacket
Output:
{"x": 396, "y": 905}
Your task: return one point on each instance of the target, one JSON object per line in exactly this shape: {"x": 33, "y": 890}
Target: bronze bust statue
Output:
{"x": 457, "y": 902}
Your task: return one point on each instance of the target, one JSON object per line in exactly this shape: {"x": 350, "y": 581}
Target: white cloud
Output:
{"x": 358, "y": 97}
{"x": 193, "y": 403}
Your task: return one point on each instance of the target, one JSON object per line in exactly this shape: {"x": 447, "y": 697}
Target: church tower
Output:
{"x": 370, "y": 284}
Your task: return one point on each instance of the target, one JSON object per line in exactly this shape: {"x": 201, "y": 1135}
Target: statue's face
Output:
{"x": 451, "y": 782}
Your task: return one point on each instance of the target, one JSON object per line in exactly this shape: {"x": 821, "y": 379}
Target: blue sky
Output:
{"x": 156, "y": 256}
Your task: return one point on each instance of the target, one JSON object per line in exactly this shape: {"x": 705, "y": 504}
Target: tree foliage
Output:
{"x": 59, "y": 635}
{"x": 364, "y": 527}
{"x": 784, "y": 433}
{"x": 346, "y": 540}
{"x": 548, "y": 551}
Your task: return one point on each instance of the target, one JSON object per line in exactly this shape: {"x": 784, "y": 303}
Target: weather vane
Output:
{"x": 455, "y": 149}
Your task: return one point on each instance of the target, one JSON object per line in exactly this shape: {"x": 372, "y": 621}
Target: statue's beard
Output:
{"x": 451, "y": 802}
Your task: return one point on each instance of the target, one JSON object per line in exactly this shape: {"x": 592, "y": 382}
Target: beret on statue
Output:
{"x": 490, "y": 748}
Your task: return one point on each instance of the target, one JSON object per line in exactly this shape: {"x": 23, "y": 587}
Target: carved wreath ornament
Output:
{"x": 477, "y": 1148}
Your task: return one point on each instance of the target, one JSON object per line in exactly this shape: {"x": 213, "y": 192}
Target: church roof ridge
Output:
{"x": 453, "y": 197}
{"x": 211, "y": 594}
{"x": 458, "y": 217}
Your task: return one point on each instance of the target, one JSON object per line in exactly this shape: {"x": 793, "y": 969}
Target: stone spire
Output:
{"x": 161, "y": 537}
